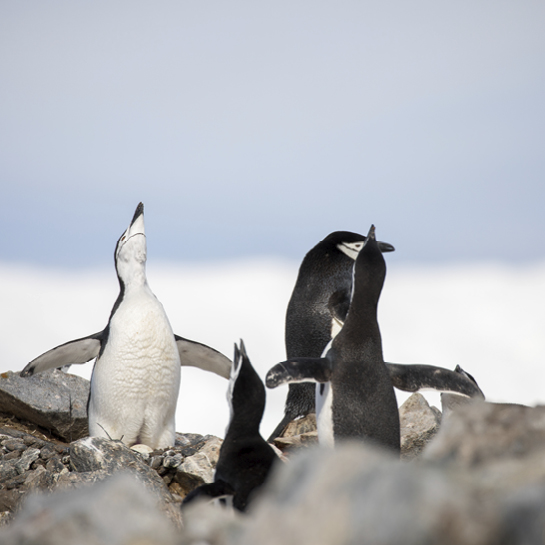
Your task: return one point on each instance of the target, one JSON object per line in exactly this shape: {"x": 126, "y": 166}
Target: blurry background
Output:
{"x": 250, "y": 131}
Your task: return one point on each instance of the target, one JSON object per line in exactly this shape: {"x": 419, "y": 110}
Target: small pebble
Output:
{"x": 172, "y": 461}
{"x": 15, "y": 444}
{"x": 155, "y": 462}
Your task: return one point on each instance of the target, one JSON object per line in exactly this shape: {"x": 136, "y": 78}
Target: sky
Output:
{"x": 255, "y": 129}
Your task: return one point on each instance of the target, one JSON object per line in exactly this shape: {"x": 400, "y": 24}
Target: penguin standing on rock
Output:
{"x": 245, "y": 458}
{"x": 325, "y": 272}
{"x": 316, "y": 313}
{"x": 136, "y": 377}
{"x": 355, "y": 395}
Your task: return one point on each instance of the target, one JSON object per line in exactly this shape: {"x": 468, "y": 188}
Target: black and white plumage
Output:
{"x": 245, "y": 458}
{"x": 355, "y": 394}
{"x": 325, "y": 272}
{"x": 136, "y": 377}
{"x": 316, "y": 312}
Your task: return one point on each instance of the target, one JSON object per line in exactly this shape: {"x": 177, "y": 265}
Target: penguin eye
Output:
{"x": 123, "y": 238}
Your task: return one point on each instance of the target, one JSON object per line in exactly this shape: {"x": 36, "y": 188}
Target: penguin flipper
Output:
{"x": 411, "y": 378}
{"x": 199, "y": 355}
{"x": 299, "y": 370}
{"x": 217, "y": 489}
{"x": 76, "y": 351}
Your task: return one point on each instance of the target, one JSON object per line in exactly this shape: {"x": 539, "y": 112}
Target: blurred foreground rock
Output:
{"x": 475, "y": 476}
{"x": 118, "y": 511}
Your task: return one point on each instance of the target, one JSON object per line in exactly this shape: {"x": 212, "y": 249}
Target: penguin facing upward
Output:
{"x": 136, "y": 376}
{"x": 245, "y": 458}
{"x": 359, "y": 402}
{"x": 316, "y": 312}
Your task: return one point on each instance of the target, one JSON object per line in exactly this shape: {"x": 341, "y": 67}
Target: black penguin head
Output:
{"x": 370, "y": 267}
{"x": 130, "y": 251}
{"x": 246, "y": 393}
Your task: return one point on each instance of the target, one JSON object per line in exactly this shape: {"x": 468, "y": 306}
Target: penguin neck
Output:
{"x": 361, "y": 319}
{"x": 134, "y": 279}
{"x": 244, "y": 422}
{"x": 243, "y": 427}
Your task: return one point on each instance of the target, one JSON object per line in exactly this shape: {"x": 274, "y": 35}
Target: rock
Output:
{"x": 29, "y": 456}
{"x": 500, "y": 447}
{"x": 206, "y": 524}
{"x": 356, "y": 494}
{"x": 451, "y": 402}
{"x": 522, "y": 516}
{"x": 306, "y": 424}
{"x": 419, "y": 424}
{"x": 481, "y": 432}
{"x": 117, "y": 511}
{"x": 54, "y": 400}
{"x": 98, "y": 454}
{"x": 211, "y": 449}
{"x": 193, "y": 472}
{"x": 299, "y": 433}
{"x": 287, "y": 445}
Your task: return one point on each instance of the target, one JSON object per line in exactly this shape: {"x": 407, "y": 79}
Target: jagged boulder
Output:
{"x": 54, "y": 400}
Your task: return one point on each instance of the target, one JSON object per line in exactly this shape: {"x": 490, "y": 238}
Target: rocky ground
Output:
{"x": 474, "y": 475}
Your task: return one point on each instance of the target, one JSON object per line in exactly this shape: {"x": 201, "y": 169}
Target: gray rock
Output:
{"x": 54, "y": 400}
{"x": 8, "y": 469}
{"x": 290, "y": 444}
{"x": 98, "y": 454}
{"x": 481, "y": 432}
{"x": 522, "y": 516}
{"x": 94, "y": 458}
{"x": 355, "y": 494}
{"x": 197, "y": 469}
{"x": 306, "y": 424}
{"x": 419, "y": 424}
{"x": 117, "y": 511}
{"x": 207, "y": 524}
{"x": 451, "y": 402}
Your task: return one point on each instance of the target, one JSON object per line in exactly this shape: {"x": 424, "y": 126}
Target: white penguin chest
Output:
{"x": 324, "y": 414}
{"x": 140, "y": 356}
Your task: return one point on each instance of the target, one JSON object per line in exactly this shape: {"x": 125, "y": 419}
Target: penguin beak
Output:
{"x": 385, "y": 247}
{"x": 137, "y": 223}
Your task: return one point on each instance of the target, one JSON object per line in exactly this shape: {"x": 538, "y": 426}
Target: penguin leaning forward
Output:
{"x": 316, "y": 312}
{"x": 245, "y": 458}
{"x": 136, "y": 376}
{"x": 354, "y": 396}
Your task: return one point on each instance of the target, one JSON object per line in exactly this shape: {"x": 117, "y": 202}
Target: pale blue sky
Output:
{"x": 252, "y": 128}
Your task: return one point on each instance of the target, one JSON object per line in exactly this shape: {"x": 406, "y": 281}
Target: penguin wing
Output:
{"x": 411, "y": 378}
{"x": 77, "y": 351}
{"x": 199, "y": 355}
{"x": 299, "y": 370}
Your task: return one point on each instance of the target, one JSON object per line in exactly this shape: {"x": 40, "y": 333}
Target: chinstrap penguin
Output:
{"x": 316, "y": 312}
{"x": 245, "y": 458}
{"x": 136, "y": 376}
{"x": 325, "y": 271}
{"x": 355, "y": 396}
